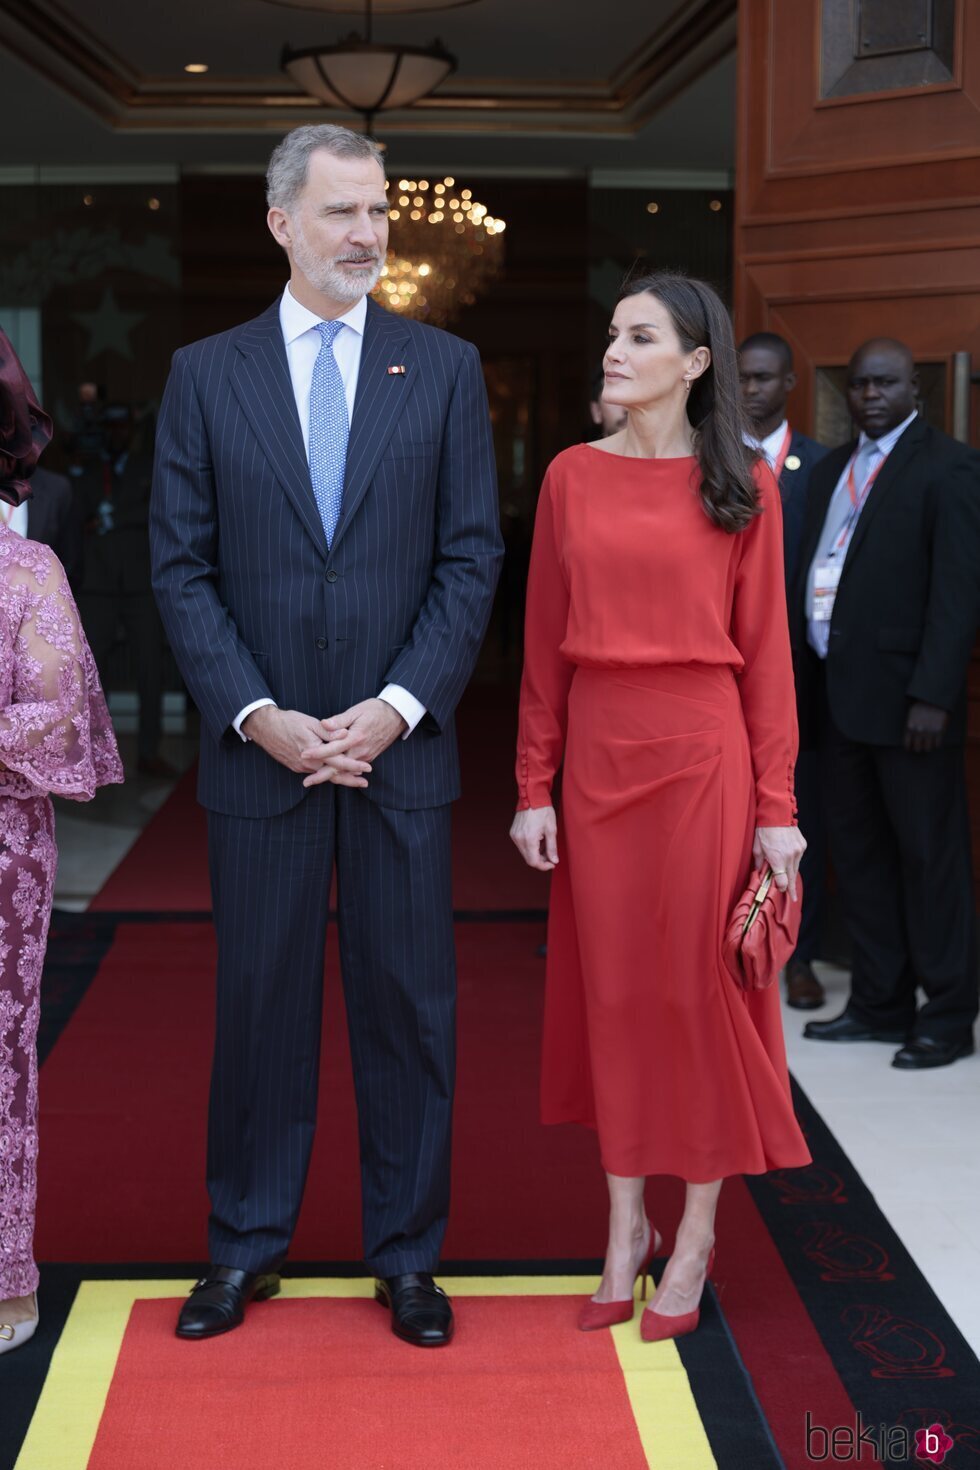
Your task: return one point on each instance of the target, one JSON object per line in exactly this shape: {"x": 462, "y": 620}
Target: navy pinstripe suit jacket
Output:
{"x": 255, "y": 604}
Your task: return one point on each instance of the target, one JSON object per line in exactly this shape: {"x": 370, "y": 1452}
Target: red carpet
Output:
{"x": 124, "y": 1101}
{"x": 167, "y": 868}
{"x": 124, "y": 1096}
{"x": 516, "y": 1390}
{"x": 122, "y": 1163}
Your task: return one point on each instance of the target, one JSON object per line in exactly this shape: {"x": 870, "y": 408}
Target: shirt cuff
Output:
{"x": 236, "y": 724}
{"x": 406, "y": 705}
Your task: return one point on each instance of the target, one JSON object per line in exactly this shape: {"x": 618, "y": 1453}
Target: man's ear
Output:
{"x": 278, "y": 222}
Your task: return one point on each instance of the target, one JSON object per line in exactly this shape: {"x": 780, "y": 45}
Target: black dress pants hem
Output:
{"x": 900, "y": 843}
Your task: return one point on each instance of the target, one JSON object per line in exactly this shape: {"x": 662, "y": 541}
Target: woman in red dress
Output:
{"x": 657, "y": 673}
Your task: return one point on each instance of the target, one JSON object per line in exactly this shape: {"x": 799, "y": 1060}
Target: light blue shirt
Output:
{"x": 838, "y": 512}
{"x": 302, "y": 340}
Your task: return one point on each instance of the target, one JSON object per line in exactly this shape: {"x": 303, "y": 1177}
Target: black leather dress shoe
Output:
{"x": 927, "y": 1051}
{"x": 421, "y": 1312}
{"x": 217, "y": 1302}
{"x": 846, "y": 1028}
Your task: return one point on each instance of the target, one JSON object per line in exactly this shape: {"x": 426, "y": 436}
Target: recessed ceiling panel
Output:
{"x": 510, "y": 40}
{"x": 378, "y": 7}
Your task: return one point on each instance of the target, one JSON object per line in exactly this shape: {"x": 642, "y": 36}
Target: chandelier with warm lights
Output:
{"x": 446, "y": 247}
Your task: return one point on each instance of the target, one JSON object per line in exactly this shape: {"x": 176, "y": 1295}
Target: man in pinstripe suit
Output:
{"x": 326, "y": 545}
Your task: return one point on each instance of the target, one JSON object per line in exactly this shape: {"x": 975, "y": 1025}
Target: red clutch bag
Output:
{"x": 762, "y": 931}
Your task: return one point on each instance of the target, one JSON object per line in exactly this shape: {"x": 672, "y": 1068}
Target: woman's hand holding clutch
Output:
{"x": 781, "y": 848}
{"x": 535, "y": 835}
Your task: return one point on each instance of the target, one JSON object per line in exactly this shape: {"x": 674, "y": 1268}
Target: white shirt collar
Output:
{"x": 295, "y": 319}
{"x": 887, "y": 441}
{"x": 771, "y": 444}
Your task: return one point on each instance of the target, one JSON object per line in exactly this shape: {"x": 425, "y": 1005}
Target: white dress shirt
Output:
{"x": 15, "y": 517}
{"x": 299, "y": 331}
{"x": 770, "y": 446}
{"x": 838, "y": 511}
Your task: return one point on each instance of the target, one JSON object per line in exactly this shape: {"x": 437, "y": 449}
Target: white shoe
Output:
{"x": 15, "y": 1335}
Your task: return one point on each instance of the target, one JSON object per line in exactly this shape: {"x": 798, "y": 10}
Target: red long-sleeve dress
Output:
{"x": 658, "y": 675}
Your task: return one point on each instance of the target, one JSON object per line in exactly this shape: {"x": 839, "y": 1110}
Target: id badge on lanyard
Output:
{"x": 826, "y": 576}
{"x": 827, "y": 571}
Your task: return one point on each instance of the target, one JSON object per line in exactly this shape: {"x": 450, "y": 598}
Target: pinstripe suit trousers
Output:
{"x": 270, "y": 881}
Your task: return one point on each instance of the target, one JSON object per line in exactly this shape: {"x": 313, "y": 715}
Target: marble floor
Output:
{"x": 912, "y": 1136}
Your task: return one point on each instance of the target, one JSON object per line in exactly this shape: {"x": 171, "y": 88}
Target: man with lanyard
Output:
{"x": 765, "y": 363}
{"x": 884, "y": 614}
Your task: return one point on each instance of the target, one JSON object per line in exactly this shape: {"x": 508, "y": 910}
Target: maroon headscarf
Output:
{"x": 24, "y": 426}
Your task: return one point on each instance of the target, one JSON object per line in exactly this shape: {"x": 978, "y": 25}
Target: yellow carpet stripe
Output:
{"x": 666, "y": 1414}
{"x": 67, "y": 1416}
{"x": 66, "y": 1421}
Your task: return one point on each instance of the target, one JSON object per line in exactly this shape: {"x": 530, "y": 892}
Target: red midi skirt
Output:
{"x": 647, "y": 1037}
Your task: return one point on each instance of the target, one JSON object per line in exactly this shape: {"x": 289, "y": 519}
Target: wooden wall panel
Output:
{"x": 857, "y": 216}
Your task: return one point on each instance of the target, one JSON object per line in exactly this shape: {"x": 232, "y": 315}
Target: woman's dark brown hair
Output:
{"x": 714, "y": 406}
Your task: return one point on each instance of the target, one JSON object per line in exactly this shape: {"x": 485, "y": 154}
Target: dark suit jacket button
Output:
{"x": 321, "y": 643}
{"x": 331, "y": 575}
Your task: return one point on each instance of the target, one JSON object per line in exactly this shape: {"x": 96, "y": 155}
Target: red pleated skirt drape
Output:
{"x": 647, "y": 1036}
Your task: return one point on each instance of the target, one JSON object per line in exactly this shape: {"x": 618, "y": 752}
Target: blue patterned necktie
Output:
{"x": 329, "y": 430}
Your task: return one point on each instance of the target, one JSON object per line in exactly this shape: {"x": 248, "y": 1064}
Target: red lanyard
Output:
{"x": 857, "y": 501}
{"x": 777, "y": 468}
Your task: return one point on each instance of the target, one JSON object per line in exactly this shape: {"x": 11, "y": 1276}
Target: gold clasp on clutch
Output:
{"x": 760, "y": 898}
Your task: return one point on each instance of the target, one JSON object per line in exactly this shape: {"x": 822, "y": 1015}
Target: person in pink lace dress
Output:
{"x": 55, "y": 737}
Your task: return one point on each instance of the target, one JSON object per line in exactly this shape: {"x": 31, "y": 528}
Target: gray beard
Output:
{"x": 329, "y": 276}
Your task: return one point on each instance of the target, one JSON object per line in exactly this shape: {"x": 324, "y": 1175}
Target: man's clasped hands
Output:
{"x": 339, "y": 749}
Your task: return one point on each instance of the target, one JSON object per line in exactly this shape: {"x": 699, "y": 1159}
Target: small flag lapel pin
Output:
{"x": 396, "y": 370}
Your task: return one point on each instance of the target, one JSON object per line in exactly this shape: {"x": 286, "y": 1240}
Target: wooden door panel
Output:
{"x": 858, "y": 216}
{"x": 799, "y": 149}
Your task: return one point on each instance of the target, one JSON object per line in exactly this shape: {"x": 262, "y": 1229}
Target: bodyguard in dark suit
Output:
{"x": 326, "y": 544}
{"x": 885, "y": 610}
{"x": 767, "y": 379}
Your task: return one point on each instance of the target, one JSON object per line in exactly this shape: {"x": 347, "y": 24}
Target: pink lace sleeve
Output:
{"x": 55, "y": 733}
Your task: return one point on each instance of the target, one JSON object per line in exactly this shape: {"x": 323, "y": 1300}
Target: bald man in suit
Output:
{"x": 884, "y": 616}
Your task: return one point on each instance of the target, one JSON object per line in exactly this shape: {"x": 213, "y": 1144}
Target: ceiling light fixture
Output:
{"x": 198, "y": 68}
{"x": 362, "y": 75}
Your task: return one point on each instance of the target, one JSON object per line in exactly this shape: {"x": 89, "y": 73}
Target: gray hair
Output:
{"x": 289, "y": 165}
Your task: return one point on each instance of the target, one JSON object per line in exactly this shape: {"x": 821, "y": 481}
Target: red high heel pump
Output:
{"x": 655, "y": 1327}
{"x": 606, "y": 1314}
